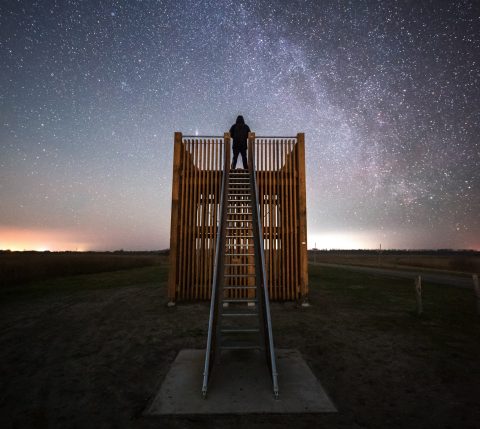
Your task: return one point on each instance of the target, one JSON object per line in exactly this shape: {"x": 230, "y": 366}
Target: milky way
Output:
{"x": 387, "y": 93}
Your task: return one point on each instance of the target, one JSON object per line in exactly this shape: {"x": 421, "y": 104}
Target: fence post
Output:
{"x": 418, "y": 292}
{"x": 476, "y": 289}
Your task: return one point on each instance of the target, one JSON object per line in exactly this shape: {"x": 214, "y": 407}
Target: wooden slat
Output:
{"x": 294, "y": 215}
{"x": 282, "y": 215}
{"x": 302, "y": 215}
{"x": 208, "y": 278}
{"x": 270, "y": 265}
{"x": 195, "y": 264}
{"x": 187, "y": 202}
{"x": 278, "y": 267}
{"x": 290, "y": 216}
{"x": 174, "y": 216}
{"x": 182, "y": 235}
{"x": 201, "y": 228}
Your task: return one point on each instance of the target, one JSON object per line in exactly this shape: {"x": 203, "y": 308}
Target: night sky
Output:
{"x": 387, "y": 93}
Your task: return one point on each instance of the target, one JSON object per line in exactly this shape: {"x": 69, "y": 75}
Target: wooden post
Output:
{"x": 418, "y": 292}
{"x": 302, "y": 213}
{"x": 226, "y": 138}
{"x": 476, "y": 288}
{"x": 172, "y": 281}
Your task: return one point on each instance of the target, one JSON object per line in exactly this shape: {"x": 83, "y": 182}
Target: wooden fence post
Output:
{"x": 418, "y": 292}
{"x": 476, "y": 288}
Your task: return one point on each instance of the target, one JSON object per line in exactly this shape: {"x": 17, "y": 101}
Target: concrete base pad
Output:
{"x": 240, "y": 384}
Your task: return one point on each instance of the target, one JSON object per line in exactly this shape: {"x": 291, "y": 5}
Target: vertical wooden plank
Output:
{"x": 188, "y": 221}
{"x": 181, "y": 262}
{"x": 186, "y": 237}
{"x": 216, "y": 204}
{"x": 278, "y": 268}
{"x": 174, "y": 214}
{"x": 288, "y": 214}
{"x": 276, "y": 218}
{"x": 270, "y": 264}
{"x": 191, "y": 202}
{"x": 202, "y": 206}
{"x": 295, "y": 207}
{"x": 291, "y": 214}
{"x": 194, "y": 272}
{"x": 204, "y": 219}
{"x": 302, "y": 215}
{"x": 281, "y": 212}
{"x": 209, "y": 221}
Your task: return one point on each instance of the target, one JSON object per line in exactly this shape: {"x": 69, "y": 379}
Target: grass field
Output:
{"x": 91, "y": 350}
{"x": 23, "y": 267}
{"x": 459, "y": 262}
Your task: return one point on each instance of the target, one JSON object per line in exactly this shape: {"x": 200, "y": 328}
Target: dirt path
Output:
{"x": 447, "y": 279}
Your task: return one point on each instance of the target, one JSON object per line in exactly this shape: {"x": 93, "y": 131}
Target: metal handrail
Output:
{"x": 266, "y": 300}
{"x": 213, "y": 299}
{"x": 203, "y": 137}
{"x": 275, "y": 137}
{"x": 221, "y": 137}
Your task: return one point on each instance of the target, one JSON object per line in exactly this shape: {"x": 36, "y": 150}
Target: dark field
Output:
{"x": 23, "y": 267}
{"x": 91, "y": 350}
{"x": 467, "y": 262}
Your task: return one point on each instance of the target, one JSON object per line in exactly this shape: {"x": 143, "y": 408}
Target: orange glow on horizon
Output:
{"x": 19, "y": 239}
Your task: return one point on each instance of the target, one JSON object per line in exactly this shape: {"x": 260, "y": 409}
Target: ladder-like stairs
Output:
{"x": 240, "y": 308}
{"x": 239, "y": 326}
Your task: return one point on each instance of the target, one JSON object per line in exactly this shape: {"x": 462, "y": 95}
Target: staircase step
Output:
{"x": 237, "y": 344}
{"x": 240, "y": 300}
{"x": 239, "y": 275}
{"x": 239, "y": 314}
{"x": 239, "y": 227}
{"x": 252, "y": 347}
{"x": 239, "y": 330}
{"x": 239, "y": 254}
{"x": 239, "y": 287}
{"x": 237, "y": 265}
{"x": 239, "y": 236}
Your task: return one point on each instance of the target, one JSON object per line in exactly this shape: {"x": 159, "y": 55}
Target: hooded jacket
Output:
{"x": 239, "y": 133}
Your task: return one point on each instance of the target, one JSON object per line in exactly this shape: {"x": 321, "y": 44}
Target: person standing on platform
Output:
{"x": 239, "y": 133}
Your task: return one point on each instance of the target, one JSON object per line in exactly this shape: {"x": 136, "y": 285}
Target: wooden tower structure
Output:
{"x": 199, "y": 167}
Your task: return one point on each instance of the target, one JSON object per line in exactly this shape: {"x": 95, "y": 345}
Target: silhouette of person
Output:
{"x": 239, "y": 133}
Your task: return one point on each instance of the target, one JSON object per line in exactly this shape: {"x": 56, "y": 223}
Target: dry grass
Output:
{"x": 465, "y": 262}
{"x": 23, "y": 267}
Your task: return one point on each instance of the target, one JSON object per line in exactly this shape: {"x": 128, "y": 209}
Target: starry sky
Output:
{"x": 387, "y": 93}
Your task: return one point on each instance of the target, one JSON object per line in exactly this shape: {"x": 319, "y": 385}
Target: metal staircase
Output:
{"x": 240, "y": 308}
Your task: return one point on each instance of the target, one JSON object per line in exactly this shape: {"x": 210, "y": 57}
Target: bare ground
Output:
{"x": 94, "y": 356}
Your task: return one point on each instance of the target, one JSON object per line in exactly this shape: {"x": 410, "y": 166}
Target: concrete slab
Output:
{"x": 240, "y": 384}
